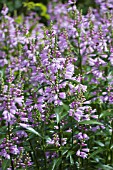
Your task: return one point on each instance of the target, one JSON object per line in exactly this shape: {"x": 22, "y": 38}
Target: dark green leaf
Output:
{"x": 6, "y": 164}
{"x": 99, "y": 143}
{"x": 70, "y": 153}
{"x": 71, "y": 160}
{"x": 56, "y": 163}
{"x": 90, "y": 122}
{"x": 30, "y": 129}
{"x": 106, "y": 167}
{"x": 100, "y": 150}
{"x": 108, "y": 112}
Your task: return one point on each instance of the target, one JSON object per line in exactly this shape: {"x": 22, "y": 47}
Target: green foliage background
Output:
{"x": 19, "y": 7}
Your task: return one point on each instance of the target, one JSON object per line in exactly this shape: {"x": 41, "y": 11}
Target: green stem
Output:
{"x": 34, "y": 154}
{"x": 111, "y": 142}
{"x": 12, "y": 165}
{"x": 110, "y": 152}
{"x": 44, "y": 148}
{"x": 60, "y": 142}
{"x": 45, "y": 161}
{"x": 72, "y": 134}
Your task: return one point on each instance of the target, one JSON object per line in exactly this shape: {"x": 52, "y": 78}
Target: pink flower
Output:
{"x": 8, "y": 116}
{"x": 62, "y": 95}
{"x": 81, "y": 87}
{"x": 78, "y": 153}
{"x": 19, "y": 100}
{"x": 14, "y": 150}
{"x": 69, "y": 71}
{"x": 4, "y": 11}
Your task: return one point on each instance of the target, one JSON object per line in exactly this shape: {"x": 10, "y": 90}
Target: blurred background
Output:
{"x": 19, "y": 7}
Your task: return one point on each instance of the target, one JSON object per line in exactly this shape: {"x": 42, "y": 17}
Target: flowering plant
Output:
{"x": 56, "y": 89}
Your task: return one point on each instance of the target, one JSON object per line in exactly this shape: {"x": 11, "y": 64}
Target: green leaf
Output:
{"x": 63, "y": 115}
{"x": 64, "y": 152}
{"x": 99, "y": 143}
{"x": 90, "y": 122}
{"x": 30, "y": 129}
{"x": 100, "y": 150}
{"x": 2, "y": 71}
{"x": 66, "y": 107}
{"x": 57, "y": 162}
{"x": 19, "y": 19}
{"x": 58, "y": 111}
{"x": 6, "y": 163}
{"x": 29, "y": 5}
{"x": 111, "y": 147}
{"x": 106, "y": 167}
{"x": 32, "y": 28}
{"x": 70, "y": 153}
{"x": 108, "y": 112}
{"x": 58, "y": 117}
{"x": 18, "y": 4}
{"x": 71, "y": 160}
{"x": 42, "y": 7}
{"x": 61, "y": 112}
{"x": 1, "y": 140}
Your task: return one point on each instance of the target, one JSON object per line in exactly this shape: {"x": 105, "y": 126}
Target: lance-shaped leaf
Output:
{"x": 30, "y": 129}
{"x": 90, "y": 122}
{"x": 108, "y": 112}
